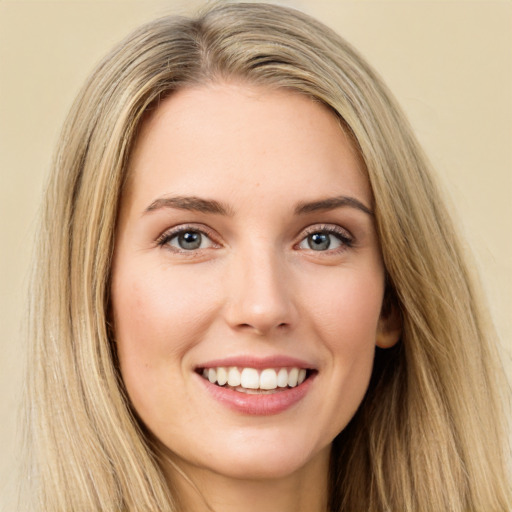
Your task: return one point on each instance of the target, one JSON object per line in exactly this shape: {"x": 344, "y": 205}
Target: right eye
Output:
{"x": 186, "y": 240}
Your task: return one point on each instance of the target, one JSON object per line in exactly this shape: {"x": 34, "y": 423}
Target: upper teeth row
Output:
{"x": 250, "y": 378}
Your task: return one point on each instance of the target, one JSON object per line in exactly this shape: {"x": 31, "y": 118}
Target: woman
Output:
{"x": 249, "y": 293}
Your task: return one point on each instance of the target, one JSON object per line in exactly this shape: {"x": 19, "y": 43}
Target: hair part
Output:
{"x": 430, "y": 432}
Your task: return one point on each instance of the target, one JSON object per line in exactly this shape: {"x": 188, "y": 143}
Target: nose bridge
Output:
{"x": 259, "y": 291}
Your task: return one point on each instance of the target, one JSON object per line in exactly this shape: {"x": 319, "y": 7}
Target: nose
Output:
{"x": 260, "y": 299}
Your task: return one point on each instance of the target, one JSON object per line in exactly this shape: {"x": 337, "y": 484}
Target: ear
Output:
{"x": 389, "y": 328}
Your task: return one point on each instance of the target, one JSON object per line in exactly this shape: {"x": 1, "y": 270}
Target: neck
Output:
{"x": 202, "y": 490}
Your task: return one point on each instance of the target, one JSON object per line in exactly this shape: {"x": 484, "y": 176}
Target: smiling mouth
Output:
{"x": 253, "y": 381}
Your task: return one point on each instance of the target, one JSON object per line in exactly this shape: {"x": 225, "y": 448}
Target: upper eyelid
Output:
{"x": 330, "y": 228}
{"x": 345, "y": 237}
{"x": 180, "y": 228}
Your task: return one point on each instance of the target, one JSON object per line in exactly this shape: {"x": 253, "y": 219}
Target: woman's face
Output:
{"x": 246, "y": 251}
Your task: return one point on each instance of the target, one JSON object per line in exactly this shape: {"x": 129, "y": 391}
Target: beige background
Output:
{"x": 448, "y": 62}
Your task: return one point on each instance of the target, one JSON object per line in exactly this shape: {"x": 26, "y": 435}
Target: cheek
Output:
{"x": 153, "y": 307}
{"x": 346, "y": 307}
{"x": 345, "y": 317}
{"x": 158, "y": 317}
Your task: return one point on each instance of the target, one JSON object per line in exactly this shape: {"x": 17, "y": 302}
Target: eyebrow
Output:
{"x": 330, "y": 203}
{"x": 191, "y": 203}
{"x": 198, "y": 204}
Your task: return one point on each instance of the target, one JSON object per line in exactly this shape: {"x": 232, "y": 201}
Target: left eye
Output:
{"x": 323, "y": 241}
{"x": 189, "y": 240}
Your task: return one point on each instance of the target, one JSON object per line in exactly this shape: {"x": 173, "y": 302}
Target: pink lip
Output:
{"x": 258, "y": 405}
{"x": 259, "y": 363}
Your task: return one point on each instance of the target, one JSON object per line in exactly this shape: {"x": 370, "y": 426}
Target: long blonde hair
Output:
{"x": 430, "y": 433}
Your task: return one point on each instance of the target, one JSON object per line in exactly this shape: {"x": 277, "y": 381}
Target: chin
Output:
{"x": 261, "y": 467}
{"x": 268, "y": 459}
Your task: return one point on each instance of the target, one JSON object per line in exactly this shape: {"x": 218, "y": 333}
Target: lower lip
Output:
{"x": 258, "y": 405}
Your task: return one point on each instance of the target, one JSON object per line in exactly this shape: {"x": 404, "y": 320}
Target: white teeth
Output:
{"x": 222, "y": 376}
{"x": 293, "y": 377}
{"x": 268, "y": 379}
{"x": 251, "y": 379}
{"x": 282, "y": 378}
{"x": 234, "y": 377}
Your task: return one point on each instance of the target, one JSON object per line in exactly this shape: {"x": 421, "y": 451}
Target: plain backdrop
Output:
{"x": 448, "y": 62}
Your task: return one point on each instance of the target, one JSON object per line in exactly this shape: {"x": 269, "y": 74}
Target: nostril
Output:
{"x": 262, "y": 328}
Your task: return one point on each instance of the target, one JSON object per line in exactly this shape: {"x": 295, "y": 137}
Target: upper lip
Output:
{"x": 259, "y": 363}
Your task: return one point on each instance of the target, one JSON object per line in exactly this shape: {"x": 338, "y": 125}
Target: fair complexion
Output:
{"x": 246, "y": 240}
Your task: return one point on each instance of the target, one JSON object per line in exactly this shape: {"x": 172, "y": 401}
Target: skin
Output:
{"x": 254, "y": 287}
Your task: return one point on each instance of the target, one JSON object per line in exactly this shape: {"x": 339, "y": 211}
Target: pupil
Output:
{"x": 190, "y": 240}
{"x": 319, "y": 241}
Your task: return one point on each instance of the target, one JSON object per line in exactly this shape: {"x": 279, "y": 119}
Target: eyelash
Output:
{"x": 341, "y": 234}
{"x": 164, "y": 239}
{"x": 345, "y": 238}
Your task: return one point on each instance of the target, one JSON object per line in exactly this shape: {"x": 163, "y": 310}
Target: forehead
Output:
{"x": 229, "y": 138}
